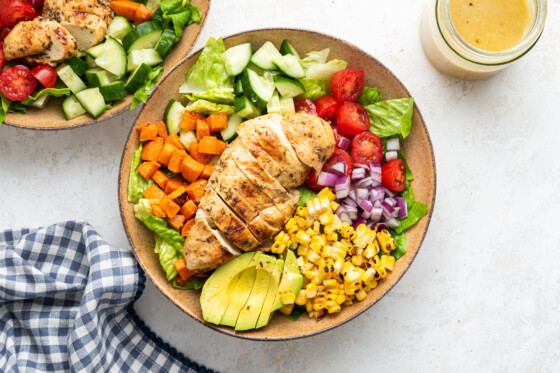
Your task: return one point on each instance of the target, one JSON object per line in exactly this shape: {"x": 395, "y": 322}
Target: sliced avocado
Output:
{"x": 265, "y": 316}
{"x": 214, "y": 298}
{"x": 292, "y": 280}
{"x": 240, "y": 292}
{"x": 249, "y": 314}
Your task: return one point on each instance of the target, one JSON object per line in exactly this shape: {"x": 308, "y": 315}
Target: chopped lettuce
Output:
{"x": 392, "y": 117}
{"x": 315, "y": 57}
{"x": 324, "y": 71}
{"x": 142, "y": 93}
{"x": 369, "y": 96}
{"x": 167, "y": 256}
{"x": 136, "y": 183}
{"x": 296, "y": 313}
{"x": 195, "y": 283}
{"x": 4, "y": 107}
{"x": 171, "y": 6}
{"x": 305, "y": 194}
{"x": 143, "y": 212}
{"x": 179, "y": 21}
{"x": 17, "y": 107}
{"x": 416, "y": 210}
{"x": 56, "y": 92}
{"x": 400, "y": 239}
{"x": 206, "y": 107}
{"x": 314, "y": 89}
{"x": 218, "y": 95}
{"x": 196, "y": 14}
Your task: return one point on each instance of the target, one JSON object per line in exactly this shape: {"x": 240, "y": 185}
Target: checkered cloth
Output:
{"x": 66, "y": 301}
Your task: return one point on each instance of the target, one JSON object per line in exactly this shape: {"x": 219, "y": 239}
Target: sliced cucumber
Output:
{"x": 230, "y": 133}
{"x": 238, "y": 87}
{"x": 288, "y": 87}
{"x": 258, "y": 89}
{"x": 41, "y": 102}
{"x": 113, "y": 58}
{"x": 237, "y": 58}
{"x": 113, "y": 91}
{"x": 287, "y": 48}
{"x": 245, "y": 109}
{"x": 143, "y": 36}
{"x": 143, "y": 56}
{"x": 72, "y": 107}
{"x": 78, "y": 65}
{"x": 265, "y": 55}
{"x": 95, "y": 51}
{"x": 119, "y": 27}
{"x": 187, "y": 138}
{"x": 166, "y": 40}
{"x": 273, "y": 105}
{"x": 290, "y": 66}
{"x": 287, "y": 106}
{"x": 70, "y": 78}
{"x": 173, "y": 116}
{"x": 92, "y": 100}
{"x": 152, "y": 5}
{"x": 98, "y": 77}
{"x": 137, "y": 78}
{"x": 90, "y": 61}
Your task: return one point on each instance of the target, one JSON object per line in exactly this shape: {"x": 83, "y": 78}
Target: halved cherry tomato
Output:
{"x": 393, "y": 174}
{"x": 5, "y": 32}
{"x": 45, "y": 74}
{"x": 338, "y": 136}
{"x": 351, "y": 118}
{"x": 326, "y": 107}
{"x": 311, "y": 181}
{"x": 367, "y": 147}
{"x": 14, "y": 11}
{"x": 347, "y": 85}
{"x": 304, "y": 105}
{"x": 3, "y": 61}
{"x": 16, "y": 83}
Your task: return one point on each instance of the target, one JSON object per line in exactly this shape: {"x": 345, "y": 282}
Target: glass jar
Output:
{"x": 452, "y": 55}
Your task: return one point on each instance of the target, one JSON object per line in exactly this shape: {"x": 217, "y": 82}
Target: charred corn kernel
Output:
{"x": 311, "y": 290}
{"x": 301, "y": 211}
{"x": 287, "y": 309}
{"x": 330, "y": 304}
{"x": 316, "y": 246}
{"x": 313, "y": 257}
{"x": 288, "y": 297}
{"x": 321, "y": 275}
{"x": 319, "y": 314}
{"x": 386, "y": 242}
{"x": 317, "y": 281}
{"x": 302, "y": 250}
{"x": 334, "y": 309}
{"x": 301, "y": 262}
{"x": 310, "y": 208}
{"x": 309, "y": 305}
{"x": 341, "y": 298}
{"x": 367, "y": 276}
{"x": 330, "y": 284}
{"x": 388, "y": 262}
{"x": 334, "y": 206}
{"x": 316, "y": 227}
{"x": 318, "y": 306}
{"x": 278, "y": 248}
{"x": 346, "y": 232}
{"x": 357, "y": 260}
{"x": 328, "y": 193}
{"x": 382, "y": 271}
{"x": 332, "y": 237}
{"x": 346, "y": 243}
{"x": 310, "y": 275}
{"x": 326, "y": 218}
{"x": 309, "y": 266}
{"x": 338, "y": 265}
{"x": 301, "y": 298}
{"x": 302, "y": 238}
{"x": 361, "y": 295}
{"x": 310, "y": 232}
{"x": 291, "y": 223}
{"x": 369, "y": 252}
{"x": 329, "y": 229}
{"x": 312, "y": 314}
{"x": 348, "y": 301}
{"x": 327, "y": 251}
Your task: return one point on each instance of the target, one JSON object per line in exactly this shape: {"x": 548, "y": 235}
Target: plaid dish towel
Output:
{"x": 66, "y": 301}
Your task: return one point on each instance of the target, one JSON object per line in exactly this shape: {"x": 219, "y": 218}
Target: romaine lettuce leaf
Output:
{"x": 324, "y": 71}
{"x": 136, "y": 183}
{"x": 392, "y": 117}
{"x": 400, "y": 239}
{"x": 314, "y": 89}
{"x": 206, "y": 107}
{"x": 369, "y": 96}
{"x": 179, "y": 20}
{"x": 17, "y": 107}
{"x": 4, "y": 107}
{"x": 143, "y": 212}
{"x": 167, "y": 256}
{"x": 195, "y": 283}
{"x": 416, "y": 210}
{"x": 171, "y": 6}
{"x": 315, "y": 57}
{"x": 56, "y": 92}
{"x": 196, "y": 14}
{"x": 142, "y": 93}
{"x": 218, "y": 95}
{"x": 305, "y": 194}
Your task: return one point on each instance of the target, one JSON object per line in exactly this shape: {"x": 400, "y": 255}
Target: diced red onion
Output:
{"x": 342, "y": 184}
{"x": 327, "y": 179}
{"x": 341, "y": 210}
{"x": 381, "y": 226}
{"x": 390, "y": 201}
{"x": 403, "y": 208}
{"x": 366, "y": 205}
{"x": 340, "y": 194}
{"x": 388, "y": 210}
{"x": 361, "y": 193}
{"x": 391, "y": 156}
{"x": 375, "y": 167}
{"x": 339, "y": 168}
{"x": 376, "y": 194}
{"x": 392, "y": 223}
{"x": 376, "y": 177}
{"x": 353, "y": 215}
{"x": 345, "y": 218}
{"x": 358, "y": 221}
{"x": 377, "y": 203}
{"x": 358, "y": 173}
{"x": 393, "y": 145}
{"x": 349, "y": 202}
{"x": 359, "y": 165}
{"x": 343, "y": 143}
{"x": 388, "y": 192}
{"x": 366, "y": 214}
{"x": 376, "y": 214}
{"x": 352, "y": 195}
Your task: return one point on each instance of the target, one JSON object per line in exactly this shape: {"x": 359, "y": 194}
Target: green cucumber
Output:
{"x": 113, "y": 58}
{"x": 230, "y": 133}
{"x": 138, "y": 78}
{"x": 287, "y": 48}
{"x": 78, "y": 65}
{"x": 265, "y": 55}
{"x": 273, "y": 105}
{"x": 245, "y": 109}
{"x": 92, "y": 100}
{"x": 143, "y": 36}
{"x": 288, "y": 87}
{"x": 41, "y": 102}
{"x": 290, "y": 66}
{"x": 257, "y": 88}
{"x": 143, "y": 56}
{"x": 72, "y": 107}
{"x": 287, "y": 106}
{"x": 237, "y": 58}
{"x": 98, "y": 77}
{"x": 119, "y": 27}
{"x": 173, "y": 116}
{"x": 113, "y": 91}
{"x": 95, "y": 51}
{"x": 238, "y": 87}
{"x": 166, "y": 40}
{"x": 90, "y": 61}
{"x": 70, "y": 78}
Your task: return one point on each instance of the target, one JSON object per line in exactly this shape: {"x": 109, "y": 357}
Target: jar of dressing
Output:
{"x": 473, "y": 39}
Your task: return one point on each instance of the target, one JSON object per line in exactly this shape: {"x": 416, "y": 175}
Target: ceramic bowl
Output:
{"x": 417, "y": 147}
{"x": 52, "y": 118}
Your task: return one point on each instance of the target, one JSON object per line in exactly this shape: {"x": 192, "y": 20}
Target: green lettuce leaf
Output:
{"x": 167, "y": 256}
{"x": 179, "y": 20}
{"x": 142, "y": 93}
{"x": 136, "y": 183}
{"x": 56, "y": 92}
{"x": 314, "y": 89}
{"x": 4, "y": 107}
{"x": 369, "y": 96}
{"x": 171, "y": 6}
{"x": 17, "y": 107}
{"x": 400, "y": 239}
{"x": 143, "y": 212}
{"x": 218, "y": 95}
{"x": 324, "y": 71}
{"x": 392, "y": 117}
{"x": 296, "y": 313}
{"x": 195, "y": 283}
{"x": 196, "y": 14}
{"x": 206, "y": 107}
{"x": 315, "y": 57}
{"x": 305, "y": 194}
{"x": 416, "y": 210}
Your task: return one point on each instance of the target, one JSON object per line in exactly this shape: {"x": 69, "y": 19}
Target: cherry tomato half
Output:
{"x": 338, "y": 136}
{"x": 304, "y": 105}
{"x": 326, "y": 107}
{"x": 45, "y": 74}
{"x": 393, "y": 175}
{"x": 311, "y": 181}
{"x": 367, "y": 147}
{"x": 5, "y": 32}
{"x": 3, "y": 61}
{"x": 351, "y": 118}
{"x": 14, "y": 11}
{"x": 347, "y": 85}
{"x": 16, "y": 83}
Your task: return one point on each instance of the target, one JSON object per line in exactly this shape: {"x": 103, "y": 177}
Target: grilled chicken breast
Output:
{"x": 52, "y": 9}
{"x": 88, "y": 29}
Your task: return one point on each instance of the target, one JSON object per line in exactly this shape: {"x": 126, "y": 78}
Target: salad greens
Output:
{"x": 55, "y": 92}
{"x": 136, "y": 183}
{"x": 4, "y": 107}
{"x": 143, "y": 212}
{"x": 391, "y": 117}
{"x": 314, "y": 89}
{"x": 416, "y": 209}
{"x": 207, "y": 107}
{"x": 305, "y": 194}
{"x": 369, "y": 96}
{"x": 142, "y": 93}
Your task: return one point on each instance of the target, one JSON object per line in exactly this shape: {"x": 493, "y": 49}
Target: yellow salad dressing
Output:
{"x": 491, "y": 25}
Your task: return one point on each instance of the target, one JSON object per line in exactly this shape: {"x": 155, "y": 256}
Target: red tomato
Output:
{"x": 304, "y": 105}
{"x": 45, "y": 74}
{"x": 393, "y": 174}
{"x": 326, "y": 107}
{"x": 15, "y": 11}
{"x": 16, "y": 83}
{"x": 352, "y": 118}
{"x": 3, "y": 61}
{"x": 311, "y": 181}
{"x": 5, "y": 32}
{"x": 346, "y": 85}
{"x": 338, "y": 136}
{"x": 367, "y": 147}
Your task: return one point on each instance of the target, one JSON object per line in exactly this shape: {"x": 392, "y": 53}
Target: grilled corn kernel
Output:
{"x": 287, "y": 309}
{"x": 357, "y": 260}
{"x": 332, "y": 237}
{"x": 341, "y": 298}
{"x": 302, "y": 238}
{"x": 367, "y": 276}
{"x": 302, "y": 250}
{"x": 334, "y": 309}
{"x": 386, "y": 242}
{"x": 326, "y": 218}
{"x": 334, "y": 206}
{"x": 348, "y": 301}
{"x": 388, "y": 262}
{"x": 310, "y": 275}
{"x": 288, "y": 297}
{"x": 330, "y": 304}
{"x": 337, "y": 266}
{"x": 301, "y": 211}
{"x": 311, "y": 290}
{"x": 382, "y": 271}
{"x": 278, "y": 248}
{"x": 318, "y": 306}
{"x": 330, "y": 284}
{"x": 309, "y": 305}
{"x": 361, "y": 295}
{"x": 327, "y": 251}
{"x": 313, "y": 257}
{"x": 301, "y": 298}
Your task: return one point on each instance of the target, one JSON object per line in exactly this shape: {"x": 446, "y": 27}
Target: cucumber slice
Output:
{"x": 90, "y": 61}
{"x": 288, "y": 87}
{"x": 143, "y": 36}
{"x": 137, "y": 78}
{"x": 173, "y": 116}
{"x": 113, "y": 91}
{"x": 41, "y": 102}
{"x": 166, "y": 40}
{"x": 92, "y": 100}
{"x": 265, "y": 55}
{"x": 72, "y": 107}
{"x": 258, "y": 89}
{"x": 78, "y": 65}
{"x": 287, "y": 48}
{"x": 95, "y": 51}
{"x": 245, "y": 109}
{"x": 238, "y": 87}
{"x": 144, "y": 56}
{"x": 273, "y": 105}
{"x": 237, "y": 58}
{"x": 287, "y": 106}
{"x": 230, "y": 133}
{"x": 152, "y": 5}
{"x": 256, "y": 69}
{"x": 119, "y": 27}
{"x": 70, "y": 78}
{"x": 290, "y": 66}
{"x": 98, "y": 77}
{"x": 113, "y": 58}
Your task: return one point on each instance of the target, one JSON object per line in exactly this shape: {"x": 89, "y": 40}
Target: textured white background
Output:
{"x": 484, "y": 291}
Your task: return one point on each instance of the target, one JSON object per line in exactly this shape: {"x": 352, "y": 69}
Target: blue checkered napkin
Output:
{"x": 66, "y": 301}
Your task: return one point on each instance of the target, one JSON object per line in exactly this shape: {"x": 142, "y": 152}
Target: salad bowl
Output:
{"x": 417, "y": 147}
{"x": 51, "y": 117}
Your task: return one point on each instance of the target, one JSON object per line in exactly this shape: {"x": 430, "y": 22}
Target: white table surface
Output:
{"x": 484, "y": 291}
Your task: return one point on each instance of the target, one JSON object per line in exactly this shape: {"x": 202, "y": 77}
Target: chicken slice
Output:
{"x": 228, "y": 221}
{"x": 62, "y": 45}
{"x": 206, "y": 248}
{"x": 88, "y": 29}
{"x": 52, "y": 9}
{"x": 27, "y": 38}
{"x": 266, "y": 132}
{"x": 310, "y": 137}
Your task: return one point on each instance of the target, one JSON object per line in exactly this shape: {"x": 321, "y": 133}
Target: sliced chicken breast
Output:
{"x": 53, "y": 9}
{"x": 88, "y": 29}
{"x": 27, "y": 38}
{"x": 62, "y": 45}
{"x": 310, "y": 137}
{"x": 206, "y": 248}
{"x": 228, "y": 221}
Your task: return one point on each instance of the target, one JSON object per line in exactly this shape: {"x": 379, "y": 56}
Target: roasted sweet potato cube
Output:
{"x": 176, "y": 161}
{"x": 217, "y": 122}
{"x": 153, "y": 192}
{"x": 151, "y": 150}
{"x": 158, "y": 212}
{"x": 169, "y": 207}
{"x": 148, "y": 132}
{"x": 173, "y": 184}
{"x": 187, "y": 227}
{"x": 147, "y": 169}
{"x": 179, "y": 196}
{"x": 160, "y": 178}
{"x": 176, "y": 222}
{"x": 188, "y": 210}
{"x": 166, "y": 154}
{"x": 206, "y": 172}
{"x": 196, "y": 190}
{"x": 162, "y": 130}
{"x": 197, "y": 155}
{"x": 174, "y": 140}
